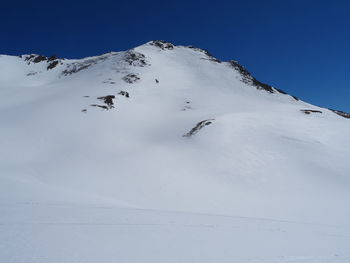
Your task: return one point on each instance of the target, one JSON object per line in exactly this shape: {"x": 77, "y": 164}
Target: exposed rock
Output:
{"x": 52, "y": 58}
{"x": 248, "y": 78}
{"x": 310, "y": 111}
{"x": 341, "y": 113}
{"x": 187, "y": 106}
{"x": 108, "y": 82}
{"x": 52, "y": 64}
{"x": 206, "y": 52}
{"x": 162, "y": 44}
{"x": 100, "y": 106}
{"x": 32, "y": 73}
{"x": 157, "y": 81}
{"x": 198, "y": 127}
{"x": 39, "y": 59}
{"x": 35, "y": 58}
{"x": 131, "y": 78}
{"x": 281, "y": 91}
{"x": 124, "y": 93}
{"x": 135, "y": 59}
{"x": 108, "y": 100}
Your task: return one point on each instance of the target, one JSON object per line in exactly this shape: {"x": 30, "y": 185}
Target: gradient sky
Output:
{"x": 302, "y": 47}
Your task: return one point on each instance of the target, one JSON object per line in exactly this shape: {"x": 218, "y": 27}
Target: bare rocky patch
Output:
{"x": 107, "y": 100}
{"x": 131, "y": 78}
{"x": 208, "y": 55}
{"x": 124, "y": 93}
{"x": 52, "y": 64}
{"x": 187, "y": 106}
{"x": 341, "y": 113}
{"x": 108, "y": 81}
{"x": 32, "y": 73}
{"x": 135, "y": 59}
{"x": 200, "y": 125}
{"x": 162, "y": 44}
{"x": 310, "y": 111}
{"x": 248, "y": 78}
{"x": 100, "y": 106}
{"x": 52, "y": 61}
{"x": 34, "y": 58}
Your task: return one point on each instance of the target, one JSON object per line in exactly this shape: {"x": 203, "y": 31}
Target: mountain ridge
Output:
{"x": 76, "y": 65}
{"x": 167, "y": 152}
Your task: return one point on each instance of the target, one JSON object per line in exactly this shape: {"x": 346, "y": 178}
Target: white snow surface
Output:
{"x": 263, "y": 182}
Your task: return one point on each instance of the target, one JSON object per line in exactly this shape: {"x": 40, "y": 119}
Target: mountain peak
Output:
{"x": 109, "y": 145}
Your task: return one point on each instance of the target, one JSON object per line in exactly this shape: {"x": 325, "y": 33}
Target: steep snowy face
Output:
{"x": 168, "y": 127}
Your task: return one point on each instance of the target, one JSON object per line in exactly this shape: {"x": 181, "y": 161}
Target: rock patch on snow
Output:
{"x": 52, "y": 61}
{"x": 247, "y": 77}
{"x": 200, "y": 125}
{"x": 135, "y": 59}
{"x": 107, "y": 100}
{"x": 124, "y": 93}
{"x": 162, "y": 44}
{"x": 310, "y": 111}
{"x": 131, "y": 78}
{"x": 342, "y": 113}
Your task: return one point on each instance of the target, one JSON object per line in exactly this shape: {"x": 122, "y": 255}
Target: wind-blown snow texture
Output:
{"x": 163, "y": 153}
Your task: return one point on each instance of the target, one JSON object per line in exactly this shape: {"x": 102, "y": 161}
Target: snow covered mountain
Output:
{"x": 164, "y": 153}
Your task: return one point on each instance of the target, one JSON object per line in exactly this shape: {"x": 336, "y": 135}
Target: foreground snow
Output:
{"x": 165, "y": 154}
{"x": 44, "y": 232}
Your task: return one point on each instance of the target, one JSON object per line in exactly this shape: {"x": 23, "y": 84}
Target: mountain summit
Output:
{"x": 167, "y": 137}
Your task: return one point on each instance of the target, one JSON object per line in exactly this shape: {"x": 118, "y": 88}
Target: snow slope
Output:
{"x": 163, "y": 153}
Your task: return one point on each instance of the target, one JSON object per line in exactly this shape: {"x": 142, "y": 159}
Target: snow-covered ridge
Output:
{"x": 171, "y": 150}
{"x": 133, "y": 58}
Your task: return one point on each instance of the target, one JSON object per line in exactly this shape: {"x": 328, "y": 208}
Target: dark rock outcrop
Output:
{"x": 124, "y": 93}
{"x": 162, "y": 44}
{"x": 341, "y": 113}
{"x": 248, "y": 78}
{"x": 108, "y": 100}
{"x": 100, "y": 106}
{"x": 52, "y": 58}
{"x": 310, "y": 111}
{"x": 206, "y": 53}
{"x": 52, "y": 64}
{"x": 200, "y": 125}
{"x": 52, "y": 61}
{"x": 135, "y": 59}
{"x": 131, "y": 78}
{"x": 35, "y": 58}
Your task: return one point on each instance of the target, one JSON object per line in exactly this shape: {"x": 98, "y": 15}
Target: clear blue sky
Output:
{"x": 302, "y": 47}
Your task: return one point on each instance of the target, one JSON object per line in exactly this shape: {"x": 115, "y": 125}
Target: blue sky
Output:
{"x": 302, "y": 47}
